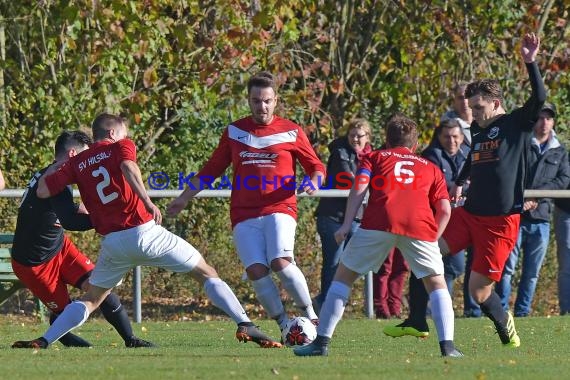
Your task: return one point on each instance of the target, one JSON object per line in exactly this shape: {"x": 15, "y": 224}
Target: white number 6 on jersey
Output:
{"x": 103, "y": 184}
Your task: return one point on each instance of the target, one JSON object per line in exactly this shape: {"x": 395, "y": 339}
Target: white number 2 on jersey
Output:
{"x": 399, "y": 170}
{"x": 103, "y": 184}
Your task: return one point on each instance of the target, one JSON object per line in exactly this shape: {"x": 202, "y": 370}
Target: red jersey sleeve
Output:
{"x": 438, "y": 189}
{"x": 127, "y": 150}
{"x": 306, "y": 155}
{"x": 220, "y": 160}
{"x": 57, "y": 181}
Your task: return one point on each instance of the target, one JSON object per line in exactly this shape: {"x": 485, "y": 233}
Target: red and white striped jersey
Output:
{"x": 263, "y": 158}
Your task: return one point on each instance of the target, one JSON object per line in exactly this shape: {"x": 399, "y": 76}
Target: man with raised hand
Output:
{"x": 489, "y": 220}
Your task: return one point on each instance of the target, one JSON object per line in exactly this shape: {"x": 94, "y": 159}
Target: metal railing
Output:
{"x": 332, "y": 193}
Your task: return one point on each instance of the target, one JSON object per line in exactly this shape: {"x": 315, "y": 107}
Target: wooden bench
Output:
{"x": 9, "y": 283}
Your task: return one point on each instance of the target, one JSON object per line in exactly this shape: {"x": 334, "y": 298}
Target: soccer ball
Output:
{"x": 299, "y": 331}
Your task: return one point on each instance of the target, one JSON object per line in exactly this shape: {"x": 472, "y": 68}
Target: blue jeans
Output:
{"x": 326, "y": 227}
{"x": 453, "y": 266}
{"x": 562, "y": 232}
{"x": 532, "y": 242}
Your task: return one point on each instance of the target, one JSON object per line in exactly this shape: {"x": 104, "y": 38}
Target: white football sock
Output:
{"x": 224, "y": 298}
{"x": 442, "y": 314}
{"x": 74, "y": 315}
{"x": 268, "y": 296}
{"x": 295, "y": 283}
{"x": 333, "y": 308}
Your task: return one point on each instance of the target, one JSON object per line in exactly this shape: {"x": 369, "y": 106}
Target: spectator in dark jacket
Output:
{"x": 343, "y": 161}
{"x": 448, "y": 152}
{"x": 547, "y": 169}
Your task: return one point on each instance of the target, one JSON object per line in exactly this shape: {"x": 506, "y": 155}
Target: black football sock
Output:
{"x": 116, "y": 315}
{"x": 494, "y": 310}
{"x": 418, "y": 303}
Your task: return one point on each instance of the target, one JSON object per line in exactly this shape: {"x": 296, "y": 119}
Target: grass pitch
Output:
{"x": 359, "y": 350}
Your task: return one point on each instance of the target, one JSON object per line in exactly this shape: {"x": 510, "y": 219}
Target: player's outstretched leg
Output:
{"x": 117, "y": 316}
{"x": 70, "y": 339}
{"x": 248, "y": 332}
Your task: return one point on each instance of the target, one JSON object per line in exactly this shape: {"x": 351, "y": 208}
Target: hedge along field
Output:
{"x": 178, "y": 70}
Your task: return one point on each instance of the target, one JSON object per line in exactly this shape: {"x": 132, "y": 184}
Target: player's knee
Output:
{"x": 280, "y": 263}
{"x": 257, "y": 271}
{"x": 434, "y": 282}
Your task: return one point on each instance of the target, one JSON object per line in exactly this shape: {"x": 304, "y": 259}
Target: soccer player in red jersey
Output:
{"x": 113, "y": 192}
{"x": 408, "y": 208}
{"x": 263, "y": 150}
{"x": 47, "y": 261}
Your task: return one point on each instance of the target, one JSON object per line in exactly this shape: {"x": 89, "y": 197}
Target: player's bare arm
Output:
{"x": 530, "y": 46}
{"x": 42, "y": 190}
{"x": 133, "y": 176}
{"x": 316, "y": 179}
{"x": 180, "y": 203}
{"x": 442, "y": 215}
{"x": 353, "y": 203}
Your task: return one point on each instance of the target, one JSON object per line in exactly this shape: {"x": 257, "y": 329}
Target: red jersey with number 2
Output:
{"x": 404, "y": 189}
{"x": 110, "y": 200}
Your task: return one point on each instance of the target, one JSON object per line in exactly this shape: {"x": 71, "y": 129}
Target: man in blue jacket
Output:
{"x": 547, "y": 169}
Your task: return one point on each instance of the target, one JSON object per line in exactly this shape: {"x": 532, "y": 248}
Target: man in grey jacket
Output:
{"x": 547, "y": 169}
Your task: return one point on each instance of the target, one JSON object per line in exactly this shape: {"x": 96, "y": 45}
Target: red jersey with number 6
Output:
{"x": 110, "y": 200}
{"x": 404, "y": 189}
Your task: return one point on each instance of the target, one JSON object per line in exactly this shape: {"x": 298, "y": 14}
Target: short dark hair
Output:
{"x": 105, "y": 122}
{"x": 488, "y": 89}
{"x": 71, "y": 139}
{"x": 262, "y": 79}
{"x": 448, "y": 124}
{"x": 401, "y": 131}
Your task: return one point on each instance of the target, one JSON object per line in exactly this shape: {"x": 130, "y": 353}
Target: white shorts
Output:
{"x": 148, "y": 244}
{"x": 263, "y": 239}
{"x": 367, "y": 250}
